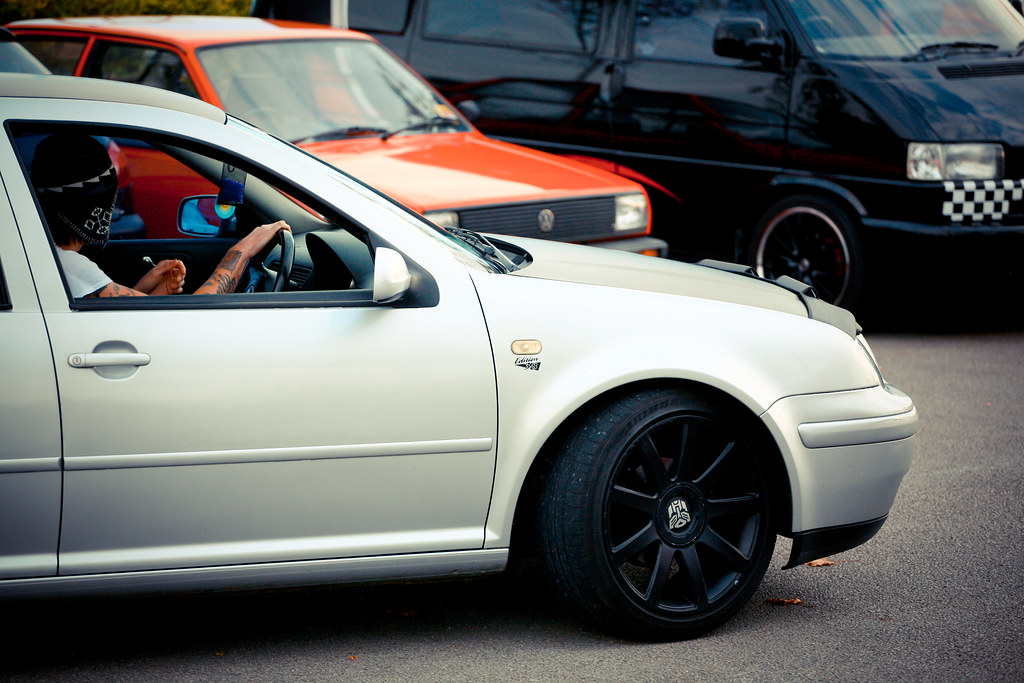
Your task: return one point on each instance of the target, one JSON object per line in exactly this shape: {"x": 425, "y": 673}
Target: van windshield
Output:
{"x": 909, "y": 29}
{"x": 316, "y": 90}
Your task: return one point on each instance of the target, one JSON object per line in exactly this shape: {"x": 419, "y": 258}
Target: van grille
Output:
{"x": 575, "y": 220}
{"x": 982, "y": 70}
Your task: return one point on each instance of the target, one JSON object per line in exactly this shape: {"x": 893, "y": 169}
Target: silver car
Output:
{"x": 383, "y": 399}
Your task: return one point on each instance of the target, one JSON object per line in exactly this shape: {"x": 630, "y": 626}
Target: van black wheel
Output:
{"x": 654, "y": 520}
{"x": 814, "y": 241}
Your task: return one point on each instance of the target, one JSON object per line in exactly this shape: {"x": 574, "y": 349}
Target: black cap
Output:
{"x": 76, "y": 184}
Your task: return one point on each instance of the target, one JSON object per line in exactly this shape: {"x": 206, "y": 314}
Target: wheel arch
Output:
{"x": 524, "y": 518}
{"x": 782, "y": 186}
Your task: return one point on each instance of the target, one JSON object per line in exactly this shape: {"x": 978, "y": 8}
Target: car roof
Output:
{"x": 189, "y": 30}
{"x": 76, "y": 88}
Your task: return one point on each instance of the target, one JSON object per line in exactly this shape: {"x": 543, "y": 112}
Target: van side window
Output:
{"x": 387, "y": 16}
{"x": 683, "y": 30}
{"x": 554, "y": 24}
{"x": 59, "y": 55}
{"x": 141, "y": 64}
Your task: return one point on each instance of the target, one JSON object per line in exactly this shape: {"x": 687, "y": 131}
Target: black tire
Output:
{"x": 610, "y": 525}
{"x": 815, "y": 241}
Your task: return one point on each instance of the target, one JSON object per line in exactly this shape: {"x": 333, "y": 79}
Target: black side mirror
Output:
{"x": 745, "y": 39}
{"x": 470, "y": 109}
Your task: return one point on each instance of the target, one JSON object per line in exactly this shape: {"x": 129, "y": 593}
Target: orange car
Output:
{"x": 343, "y": 97}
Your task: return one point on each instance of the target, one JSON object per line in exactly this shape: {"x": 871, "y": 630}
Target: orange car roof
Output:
{"x": 191, "y": 31}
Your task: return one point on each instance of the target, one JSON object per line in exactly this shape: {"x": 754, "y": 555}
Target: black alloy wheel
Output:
{"x": 813, "y": 240}
{"x": 656, "y": 519}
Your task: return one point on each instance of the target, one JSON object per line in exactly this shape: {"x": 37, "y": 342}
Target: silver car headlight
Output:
{"x": 443, "y": 219}
{"x": 630, "y": 212}
{"x": 954, "y": 161}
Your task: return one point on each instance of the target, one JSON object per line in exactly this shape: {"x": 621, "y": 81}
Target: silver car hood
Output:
{"x": 714, "y": 281}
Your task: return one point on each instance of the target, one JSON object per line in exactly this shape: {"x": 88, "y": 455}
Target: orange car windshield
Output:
{"x": 312, "y": 90}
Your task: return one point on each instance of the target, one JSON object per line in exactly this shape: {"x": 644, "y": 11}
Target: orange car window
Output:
{"x": 141, "y": 64}
{"x": 59, "y": 55}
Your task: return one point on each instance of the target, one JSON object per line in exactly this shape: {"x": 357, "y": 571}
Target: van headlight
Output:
{"x": 631, "y": 212}
{"x": 954, "y": 161}
{"x": 443, "y": 219}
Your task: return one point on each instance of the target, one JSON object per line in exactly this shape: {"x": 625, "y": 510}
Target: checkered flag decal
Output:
{"x": 980, "y": 200}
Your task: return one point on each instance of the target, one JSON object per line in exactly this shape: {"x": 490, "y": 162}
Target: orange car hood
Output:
{"x": 456, "y": 170}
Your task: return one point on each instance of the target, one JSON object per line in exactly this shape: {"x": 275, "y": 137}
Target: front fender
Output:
{"x": 597, "y": 339}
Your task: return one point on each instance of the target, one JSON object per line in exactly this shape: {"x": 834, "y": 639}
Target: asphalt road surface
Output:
{"x": 938, "y": 595}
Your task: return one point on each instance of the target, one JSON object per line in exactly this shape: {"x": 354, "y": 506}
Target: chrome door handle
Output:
{"x": 105, "y": 360}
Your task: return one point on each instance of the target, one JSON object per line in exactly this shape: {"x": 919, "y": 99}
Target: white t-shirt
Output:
{"x": 84, "y": 277}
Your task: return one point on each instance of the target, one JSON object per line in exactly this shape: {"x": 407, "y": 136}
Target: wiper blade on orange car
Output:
{"x": 426, "y": 123}
{"x": 350, "y": 132}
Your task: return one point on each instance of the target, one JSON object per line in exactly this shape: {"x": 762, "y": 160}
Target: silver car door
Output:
{"x": 231, "y": 434}
{"x": 30, "y": 476}
{"x": 234, "y": 435}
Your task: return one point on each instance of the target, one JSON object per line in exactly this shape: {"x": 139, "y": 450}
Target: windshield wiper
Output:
{"x": 484, "y": 246}
{"x": 941, "y": 50}
{"x": 426, "y": 123}
{"x": 1019, "y": 50}
{"x": 350, "y": 132}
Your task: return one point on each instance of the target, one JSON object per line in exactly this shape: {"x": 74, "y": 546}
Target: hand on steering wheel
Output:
{"x": 260, "y": 273}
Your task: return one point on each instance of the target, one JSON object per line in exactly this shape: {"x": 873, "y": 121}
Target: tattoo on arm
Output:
{"x": 114, "y": 289}
{"x": 223, "y": 282}
{"x": 225, "y": 278}
{"x": 231, "y": 259}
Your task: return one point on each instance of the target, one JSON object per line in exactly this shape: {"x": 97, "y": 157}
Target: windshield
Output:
{"x": 312, "y": 90}
{"x": 909, "y": 29}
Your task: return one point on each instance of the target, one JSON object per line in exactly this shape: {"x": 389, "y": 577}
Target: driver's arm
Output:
{"x": 167, "y": 276}
{"x": 228, "y": 272}
{"x": 114, "y": 289}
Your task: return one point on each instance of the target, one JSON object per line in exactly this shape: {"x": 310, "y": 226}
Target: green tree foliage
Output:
{"x": 34, "y": 9}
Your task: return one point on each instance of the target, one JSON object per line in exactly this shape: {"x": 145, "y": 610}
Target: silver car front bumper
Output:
{"x": 836, "y": 446}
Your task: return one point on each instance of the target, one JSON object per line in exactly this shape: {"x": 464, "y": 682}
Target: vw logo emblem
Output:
{"x": 678, "y": 514}
{"x": 546, "y": 220}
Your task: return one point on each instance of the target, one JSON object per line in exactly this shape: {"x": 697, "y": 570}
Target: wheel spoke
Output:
{"x": 715, "y": 471}
{"x": 818, "y": 280}
{"x": 721, "y": 547}
{"x": 786, "y": 240}
{"x": 728, "y": 507}
{"x": 652, "y": 463}
{"x": 686, "y": 441}
{"x": 693, "y": 574}
{"x": 778, "y": 257}
{"x": 659, "y": 575}
{"x": 635, "y": 544}
{"x": 634, "y": 499}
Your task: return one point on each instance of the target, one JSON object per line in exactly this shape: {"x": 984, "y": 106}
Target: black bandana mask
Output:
{"x": 76, "y": 184}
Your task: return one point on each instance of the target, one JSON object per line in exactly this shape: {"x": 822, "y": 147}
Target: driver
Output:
{"x": 76, "y": 184}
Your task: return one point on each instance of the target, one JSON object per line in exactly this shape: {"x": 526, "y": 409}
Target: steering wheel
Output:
{"x": 260, "y": 274}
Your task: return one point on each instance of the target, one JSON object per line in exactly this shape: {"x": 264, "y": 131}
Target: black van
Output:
{"x": 788, "y": 134}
